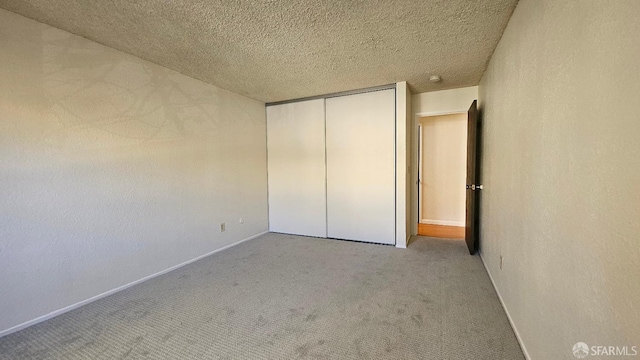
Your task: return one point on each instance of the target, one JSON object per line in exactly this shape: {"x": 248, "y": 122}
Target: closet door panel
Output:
{"x": 296, "y": 168}
{"x": 360, "y": 145}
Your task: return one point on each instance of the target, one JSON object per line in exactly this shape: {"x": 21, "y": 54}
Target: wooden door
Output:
{"x": 471, "y": 217}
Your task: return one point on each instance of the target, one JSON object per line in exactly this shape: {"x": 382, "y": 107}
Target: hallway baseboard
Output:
{"x": 441, "y": 231}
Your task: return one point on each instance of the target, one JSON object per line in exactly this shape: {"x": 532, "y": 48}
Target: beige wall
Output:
{"x": 445, "y": 101}
{"x": 444, "y": 155}
{"x": 411, "y": 202}
{"x": 113, "y": 169}
{"x": 561, "y": 172}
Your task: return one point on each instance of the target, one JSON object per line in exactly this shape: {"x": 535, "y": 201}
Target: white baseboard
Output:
{"x": 120, "y": 288}
{"x": 442, "y": 222}
{"x": 513, "y": 326}
{"x": 403, "y": 245}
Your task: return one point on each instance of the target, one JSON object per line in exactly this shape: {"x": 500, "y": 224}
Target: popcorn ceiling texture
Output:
{"x": 279, "y": 50}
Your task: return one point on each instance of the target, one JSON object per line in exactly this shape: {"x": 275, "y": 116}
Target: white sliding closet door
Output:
{"x": 361, "y": 167}
{"x": 296, "y": 168}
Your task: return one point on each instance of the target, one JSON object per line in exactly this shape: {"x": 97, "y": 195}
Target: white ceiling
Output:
{"x": 274, "y": 50}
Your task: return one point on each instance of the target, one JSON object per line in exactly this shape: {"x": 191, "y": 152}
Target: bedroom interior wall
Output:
{"x": 113, "y": 169}
{"x": 411, "y": 153}
{"x": 559, "y": 104}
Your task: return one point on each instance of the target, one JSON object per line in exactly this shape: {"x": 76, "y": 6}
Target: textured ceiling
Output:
{"x": 274, "y": 50}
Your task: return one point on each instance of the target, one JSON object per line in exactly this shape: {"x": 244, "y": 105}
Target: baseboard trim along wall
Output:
{"x": 513, "y": 326}
{"x": 442, "y": 222}
{"x": 403, "y": 245}
{"x": 118, "y": 289}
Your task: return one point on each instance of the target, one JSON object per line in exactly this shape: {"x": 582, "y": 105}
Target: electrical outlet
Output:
{"x": 222, "y": 227}
{"x": 501, "y": 261}
{"x": 241, "y": 221}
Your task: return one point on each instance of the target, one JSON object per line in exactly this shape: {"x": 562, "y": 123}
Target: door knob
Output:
{"x": 474, "y": 187}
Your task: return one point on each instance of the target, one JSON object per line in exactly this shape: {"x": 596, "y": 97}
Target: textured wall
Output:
{"x": 113, "y": 168}
{"x": 444, "y": 169}
{"x": 561, "y": 173}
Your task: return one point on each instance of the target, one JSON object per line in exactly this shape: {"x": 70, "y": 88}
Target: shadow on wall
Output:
{"x": 87, "y": 87}
{"x": 113, "y": 168}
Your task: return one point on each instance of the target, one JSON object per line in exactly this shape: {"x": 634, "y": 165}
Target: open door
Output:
{"x": 471, "y": 218}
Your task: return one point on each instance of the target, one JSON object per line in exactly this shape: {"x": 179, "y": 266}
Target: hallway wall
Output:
{"x": 444, "y": 169}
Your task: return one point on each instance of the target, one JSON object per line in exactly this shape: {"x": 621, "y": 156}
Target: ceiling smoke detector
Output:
{"x": 435, "y": 78}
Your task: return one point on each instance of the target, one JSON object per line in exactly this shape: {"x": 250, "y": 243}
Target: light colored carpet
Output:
{"x": 290, "y": 297}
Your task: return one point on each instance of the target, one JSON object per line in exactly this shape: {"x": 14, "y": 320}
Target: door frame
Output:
{"x": 417, "y": 137}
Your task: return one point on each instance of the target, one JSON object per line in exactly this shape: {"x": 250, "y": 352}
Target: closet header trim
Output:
{"x": 337, "y": 94}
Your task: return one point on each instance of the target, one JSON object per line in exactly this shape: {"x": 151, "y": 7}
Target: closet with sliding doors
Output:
{"x": 331, "y": 166}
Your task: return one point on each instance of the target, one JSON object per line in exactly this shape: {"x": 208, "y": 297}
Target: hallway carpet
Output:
{"x": 292, "y": 297}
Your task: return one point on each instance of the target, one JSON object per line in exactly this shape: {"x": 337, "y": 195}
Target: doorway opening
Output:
{"x": 442, "y": 165}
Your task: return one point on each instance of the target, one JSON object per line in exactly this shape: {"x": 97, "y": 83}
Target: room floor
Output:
{"x": 290, "y": 297}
